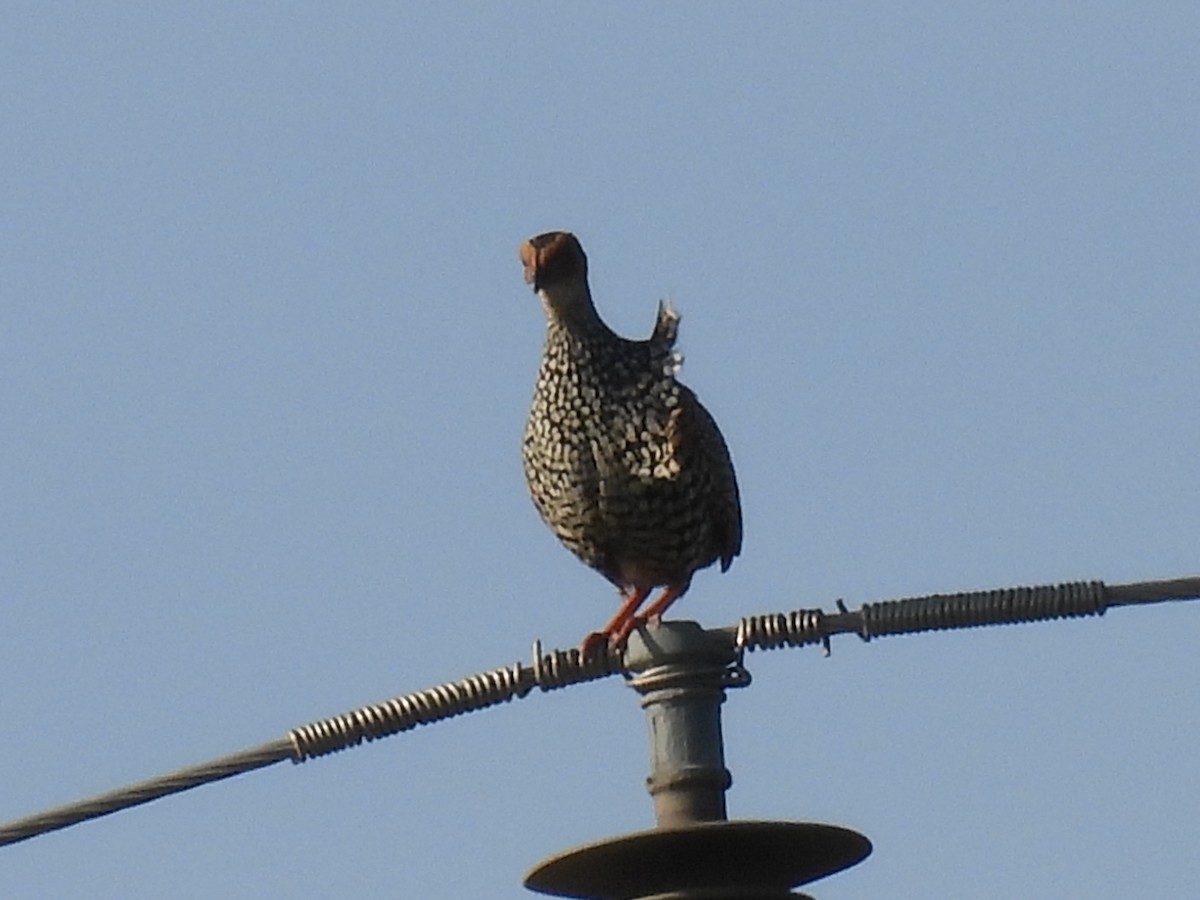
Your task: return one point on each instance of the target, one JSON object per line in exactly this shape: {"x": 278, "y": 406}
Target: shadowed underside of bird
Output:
{"x": 622, "y": 461}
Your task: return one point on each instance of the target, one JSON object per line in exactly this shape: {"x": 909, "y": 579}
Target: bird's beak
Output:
{"x": 529, "y": 259}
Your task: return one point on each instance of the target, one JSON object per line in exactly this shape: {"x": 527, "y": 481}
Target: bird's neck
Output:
{"x": 570, "y": 308}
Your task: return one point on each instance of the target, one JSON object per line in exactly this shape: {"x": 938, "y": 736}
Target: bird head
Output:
{"x": 556, "y": 267}
{"x": 552, "y": 259}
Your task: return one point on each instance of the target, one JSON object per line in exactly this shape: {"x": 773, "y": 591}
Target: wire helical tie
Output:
{"x": 444, "y": 701}
{"x": 976, "y": 608}
{"x": 773, "y": 630}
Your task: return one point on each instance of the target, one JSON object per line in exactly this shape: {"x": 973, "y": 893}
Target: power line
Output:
{"x": 560, "y": 668}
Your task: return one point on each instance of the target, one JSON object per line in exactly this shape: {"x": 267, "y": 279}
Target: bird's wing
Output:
{"x": 699, "y": 444}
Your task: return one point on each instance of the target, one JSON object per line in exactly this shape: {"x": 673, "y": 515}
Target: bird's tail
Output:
{"x": 666, "y": 326}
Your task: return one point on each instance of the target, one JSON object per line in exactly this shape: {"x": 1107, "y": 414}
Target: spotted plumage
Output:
{"x": 622, "y": 461}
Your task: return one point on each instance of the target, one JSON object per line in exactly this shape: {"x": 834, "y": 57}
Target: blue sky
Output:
{"x": 266, "y": 354}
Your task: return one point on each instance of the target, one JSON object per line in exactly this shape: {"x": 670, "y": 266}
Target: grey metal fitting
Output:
{"x": 682, "y": 672}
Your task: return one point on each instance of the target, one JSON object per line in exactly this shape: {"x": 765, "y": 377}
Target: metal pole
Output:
{"x": 682, "y": 673}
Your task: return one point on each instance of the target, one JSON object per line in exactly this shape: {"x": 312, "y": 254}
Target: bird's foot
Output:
{"x": 611, "y": 638}
{"x": 596, "y": 645}
{"x": 621, "y": 635}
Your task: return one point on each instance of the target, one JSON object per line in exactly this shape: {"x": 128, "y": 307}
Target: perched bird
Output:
{"x": 622, "y": 461}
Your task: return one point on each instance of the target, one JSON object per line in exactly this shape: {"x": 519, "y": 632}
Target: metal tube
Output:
{"x": 682, "y": 672}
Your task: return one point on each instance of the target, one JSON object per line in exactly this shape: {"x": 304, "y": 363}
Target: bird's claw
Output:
{"x": 595, "y": 645}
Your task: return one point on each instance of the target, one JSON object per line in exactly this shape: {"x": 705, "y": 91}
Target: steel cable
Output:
{"x": 560, "y": 668}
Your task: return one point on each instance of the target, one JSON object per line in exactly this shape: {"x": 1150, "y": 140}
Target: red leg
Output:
{"x": 656, "y": 609}
{"x": 618, "y": 625}
{"x": 653, "y": 612}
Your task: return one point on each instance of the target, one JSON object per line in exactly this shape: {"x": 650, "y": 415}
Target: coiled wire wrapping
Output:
{"x": 444, "y": 701}
{"x": 1007, "y": 606}
{"x": 936, "y": 612}
{"x": 774, "y": 630}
